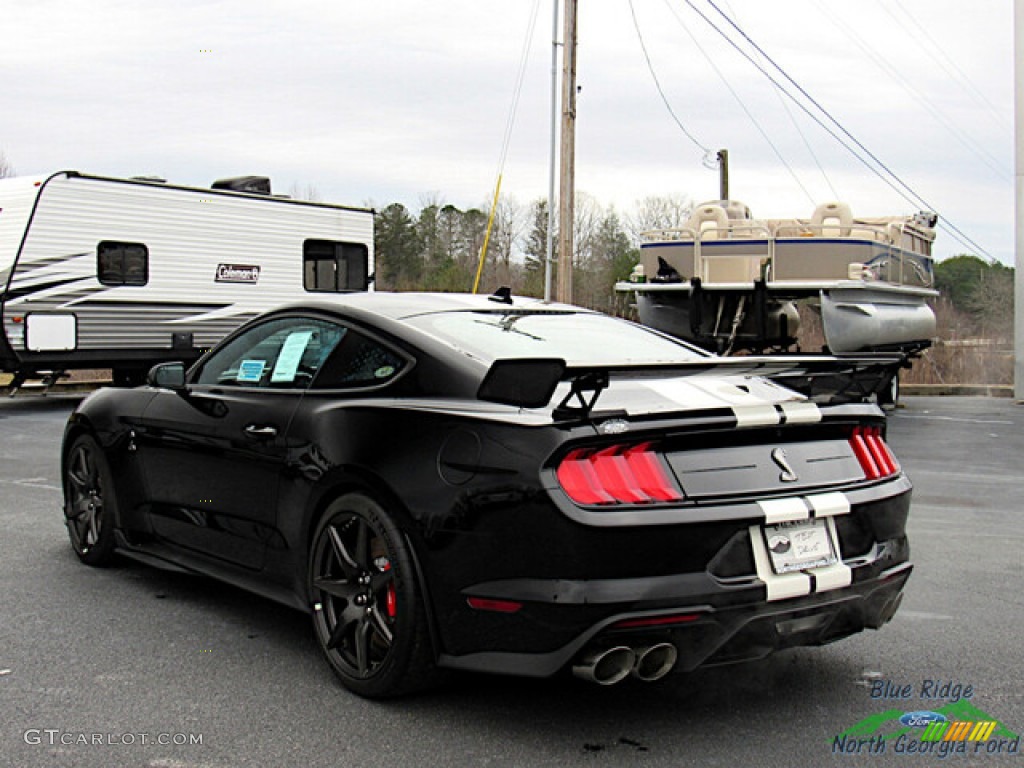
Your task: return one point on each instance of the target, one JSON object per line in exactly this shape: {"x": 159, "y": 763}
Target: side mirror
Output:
{"x": 167, "y": 376}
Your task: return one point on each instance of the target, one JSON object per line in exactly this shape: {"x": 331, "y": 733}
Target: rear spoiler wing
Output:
{"x": 531, "y": 382}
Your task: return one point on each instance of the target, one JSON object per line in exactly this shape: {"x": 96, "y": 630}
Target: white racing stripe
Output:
{"x": 780, "y": 586}
{"x": 801, "y": 413}
{"x": 756, "y": 415}
{"x": 834, "y": 576}
{"x": 784, "y": 510}
{"x": 829, "y": 504}
{"x": 684, "y": 393}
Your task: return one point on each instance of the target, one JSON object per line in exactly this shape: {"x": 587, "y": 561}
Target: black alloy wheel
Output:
{"x": 90, "y": 505}
{"x": 367, "y": 611}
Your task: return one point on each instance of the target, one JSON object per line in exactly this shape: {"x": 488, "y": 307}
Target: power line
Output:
{"x": 903, "y": 189}
{"x": 796, "y": 125}
{"x": 518, "y": 90}
{"x": 874, "y": 55}
{"x": 657, "y": 84}
{"x": 743, "y": 106}
{"x": 507, "y": 140}
{"x": 948, "y": 65}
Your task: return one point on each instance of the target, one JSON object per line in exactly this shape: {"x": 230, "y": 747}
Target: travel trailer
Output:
{"x": 99, "y": 272}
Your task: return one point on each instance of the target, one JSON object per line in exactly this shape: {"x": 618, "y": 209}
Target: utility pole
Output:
{"x": 1018, "y": 312}
{"x": 723, "y": 174}
{"x": 549, "y": 245}
{"x": 566, "y": 199}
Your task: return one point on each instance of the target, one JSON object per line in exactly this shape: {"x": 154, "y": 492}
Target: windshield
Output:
{"x": 581, "y": 339}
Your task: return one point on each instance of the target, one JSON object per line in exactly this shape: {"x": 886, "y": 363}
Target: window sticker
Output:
{"x": 291, "y": 355}
{"x": 251, "y": 371}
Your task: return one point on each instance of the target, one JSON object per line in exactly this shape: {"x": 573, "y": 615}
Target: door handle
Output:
{"x": 261, "y": 430}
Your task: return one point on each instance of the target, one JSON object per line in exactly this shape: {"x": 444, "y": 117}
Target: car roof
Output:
{"x": 399, "y": 306}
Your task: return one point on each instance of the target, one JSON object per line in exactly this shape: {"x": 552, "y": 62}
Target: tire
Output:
{"x": 90, "y": 502}
{"x": 890, "y": 393}
{"x": 368, "y": 611}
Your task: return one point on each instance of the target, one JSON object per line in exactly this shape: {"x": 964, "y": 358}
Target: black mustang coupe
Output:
{"x": 500, "y": 485}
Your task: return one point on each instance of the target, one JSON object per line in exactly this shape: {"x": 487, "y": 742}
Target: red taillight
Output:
{"x": 578, "y": 479}
{"x": 656, "y": 621}
{"x": 650, "y": 474}
{"x": 873, "y": 454}
{"x": 616, "y": 477}
{"x": 619, "y": 474}
{"x": 496, "y": 606}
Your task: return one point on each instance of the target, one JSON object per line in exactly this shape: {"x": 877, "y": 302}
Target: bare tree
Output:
{"x": 307, "y": 192}
{"x": 991, "y": 302}
{"x": 510, "y": 223}
{"x": 6, "y": 169}
{"x": 655, "y": 212}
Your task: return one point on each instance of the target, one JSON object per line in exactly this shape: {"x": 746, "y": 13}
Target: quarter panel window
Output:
{"x": 359, "y": 361}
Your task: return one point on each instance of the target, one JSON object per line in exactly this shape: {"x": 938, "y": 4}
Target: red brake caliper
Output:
{"x": 392, "y": 601}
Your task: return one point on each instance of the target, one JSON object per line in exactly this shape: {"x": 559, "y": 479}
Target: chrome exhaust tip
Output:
{"x": 654, "y": 662}
{"x": 605, "y": 666}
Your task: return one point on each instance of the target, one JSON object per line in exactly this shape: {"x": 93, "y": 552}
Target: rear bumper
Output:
{"x": 714, "y": 635}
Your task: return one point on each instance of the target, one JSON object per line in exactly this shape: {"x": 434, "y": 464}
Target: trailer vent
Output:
{"x": 257, "y": 185}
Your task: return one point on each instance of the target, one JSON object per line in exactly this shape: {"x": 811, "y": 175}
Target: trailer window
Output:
{"x": 122, "y": 263}
{"x": 330, "y": 266}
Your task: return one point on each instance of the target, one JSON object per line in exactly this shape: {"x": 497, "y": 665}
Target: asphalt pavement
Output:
{"x": 135, "y": 666}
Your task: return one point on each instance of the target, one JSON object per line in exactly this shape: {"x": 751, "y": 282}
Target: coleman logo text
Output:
{"x": 237, "y": 273}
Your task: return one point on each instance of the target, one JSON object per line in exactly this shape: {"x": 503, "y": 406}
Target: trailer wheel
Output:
{"x": 890, "y": 393}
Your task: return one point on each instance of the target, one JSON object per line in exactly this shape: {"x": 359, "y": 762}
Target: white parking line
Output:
{"x": 904, "y": 613}
{"x": 954, "y": 418}
{"x": 32, "y": 482}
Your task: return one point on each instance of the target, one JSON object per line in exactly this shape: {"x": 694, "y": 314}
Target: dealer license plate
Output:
{"x": 799, "y": 545}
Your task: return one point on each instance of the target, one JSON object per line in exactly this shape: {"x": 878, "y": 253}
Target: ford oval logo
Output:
{"x": 922, "y": 718}
{"x": 614, "y": 427}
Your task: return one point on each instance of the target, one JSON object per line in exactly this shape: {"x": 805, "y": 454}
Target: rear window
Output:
{"x": 578, "y": 338}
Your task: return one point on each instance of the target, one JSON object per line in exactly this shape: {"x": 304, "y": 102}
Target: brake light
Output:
{"x": 873, "y": 454}
{"x": 656, "y": 621}
{"x": 496, "y": 606}
{"x": 619, "y": 474}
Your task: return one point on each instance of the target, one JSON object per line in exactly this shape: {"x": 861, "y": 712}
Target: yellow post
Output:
{"x": 487, "y": 235}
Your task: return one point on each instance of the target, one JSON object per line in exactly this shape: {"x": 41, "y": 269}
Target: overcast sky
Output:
{"x": 401, "y": 101}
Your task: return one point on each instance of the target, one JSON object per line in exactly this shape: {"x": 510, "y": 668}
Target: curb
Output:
{"x": 956, "y": 390}
{"x": 35, "y": 387}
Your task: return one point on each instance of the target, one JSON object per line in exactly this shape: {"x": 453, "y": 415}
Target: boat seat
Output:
{"x": 832, "y": 220}
{"x": 751, "y": 228}
{"x": 710, "y": 221}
